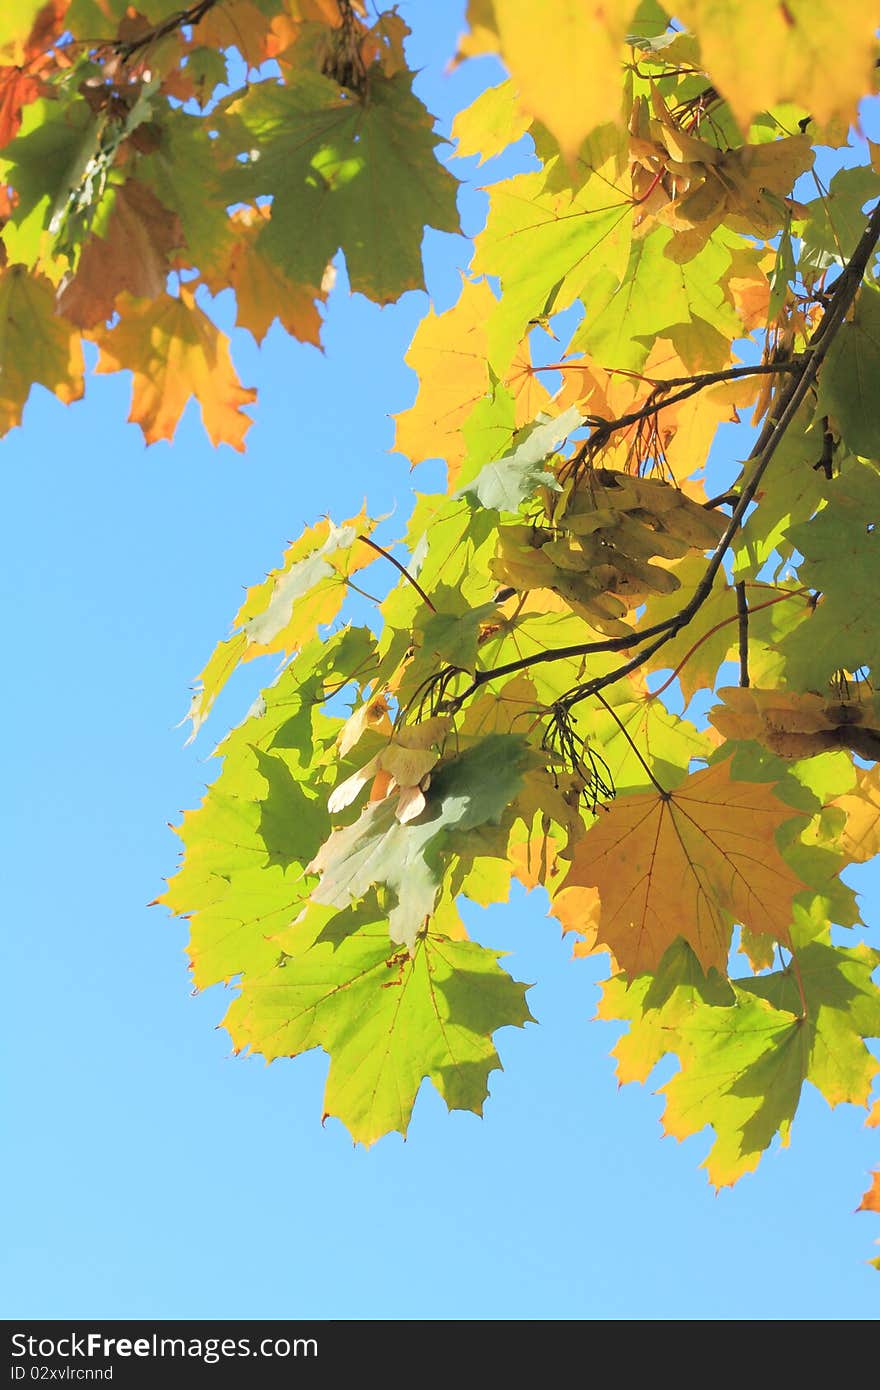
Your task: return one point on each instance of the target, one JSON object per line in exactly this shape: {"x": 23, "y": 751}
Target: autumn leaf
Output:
{"x": 688, "y": 863}
{"x": 35, "y": 345}
{"x": 573, "y": 39}
{"x": 860, "y": 837}
{"x": 175, "y": 352}
{"x": 387, "y": 1019}
{"x": 285, "y": 611}
{"x": 133, "y": 257}
{"x": 263, "y": 293}
{"x": 360, "y": 176}
{"x": 449, "y": 354}
{"x": 809, "y": 53}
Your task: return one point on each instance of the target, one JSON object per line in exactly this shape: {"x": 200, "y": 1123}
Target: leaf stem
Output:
{"x": 405, "y": 572}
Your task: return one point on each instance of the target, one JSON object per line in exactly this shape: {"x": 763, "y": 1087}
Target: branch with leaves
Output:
{"x": 511, "y": 714}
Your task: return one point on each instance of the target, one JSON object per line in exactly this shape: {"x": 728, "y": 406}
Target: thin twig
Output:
{"x": 742, "y": 614}
{"x": 405, "y": 572}
{"x": 176, "y": 21}
{"x": 658, "y": 400}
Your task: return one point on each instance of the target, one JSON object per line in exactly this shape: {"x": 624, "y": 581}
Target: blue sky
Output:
{"x": 148, "y": 1173}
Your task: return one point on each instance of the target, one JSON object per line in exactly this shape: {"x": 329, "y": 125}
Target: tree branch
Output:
{"x": 174, "y": 21}
{"x": 804, "y": 370}
{"x": 658, "y": 400}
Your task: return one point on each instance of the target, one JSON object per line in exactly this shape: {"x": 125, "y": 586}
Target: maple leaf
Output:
{"x": 360, "y": 176}
{"x": 17, "y": 89}
{"x": 871, "y": 1200}
{"x": 844, "y": 537}
{"x": 851, "y": 368}
{"x": 246, "y": 847}
{"x": 491, "y": 123}
{"x": 263, "y": 293}
{"x": 543, "y": 246}
{"x": 860, "y": 837}
{"x": 35, "y": 345}
{"x": 573, "y": 39}
{"x": 378, "y": 848}
{"x": 132, "y": 257}
{"x": 284, "y": 612}
{"x": 174, "y": 352}
{"x": 387, "y": 1019}
{"x": 505, "y": 482}
{"x": 809, "y": 54}
{"x": 688, "y": 863}
{"x": 746, "y": 1048}
{"x": 449, "y": 354}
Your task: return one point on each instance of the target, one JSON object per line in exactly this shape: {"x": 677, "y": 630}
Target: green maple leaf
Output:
{"x": 546, "y": 247}
{"x": 387, "y": 1020}
{"x": 408, "y": 858}
{"x": 357, "y": 175}
{"x": 185, "y": 173}
{"x": 842, "y": 540}
{"x": 747, "y": 1047}
{"x": 843, "y": 1008}
{"x": 448, "y": 635}
{"x": 504, "y": 483}
{"x": 246, "y": 847}
{"x": 655, "y": 296}
{"x": 848, "y": 380}
{"x": 836, "y": 220}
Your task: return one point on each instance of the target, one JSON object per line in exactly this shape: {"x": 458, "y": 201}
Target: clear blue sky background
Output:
{"x": 149, "y": 1174}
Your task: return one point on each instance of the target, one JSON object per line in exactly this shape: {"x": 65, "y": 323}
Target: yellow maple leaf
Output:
{"x": 35, "y": 345}
{"x": 174, "y": 352}
{"x": 817, "y": 53}
{"x": 564, "y": 58}
{"x": 860, "y": 837}
{"x": 688, "y": 863}
{"x": 449, "y": 354}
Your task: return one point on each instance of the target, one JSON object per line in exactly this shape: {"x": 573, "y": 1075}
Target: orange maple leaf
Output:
{"x": 17, "y": 89}
{"x": 262, "y": 290}
{"x": 871, "y": 1199}
{"x": 175, "y": 351}
{"x": 688, "y": 863}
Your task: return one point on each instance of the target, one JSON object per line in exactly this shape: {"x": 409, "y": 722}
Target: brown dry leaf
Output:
{"x": 789, "y": 723}
{"x": 689, "y": 863}
{"x": 133, "y": 257}
{"x": 174, "y": 352}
